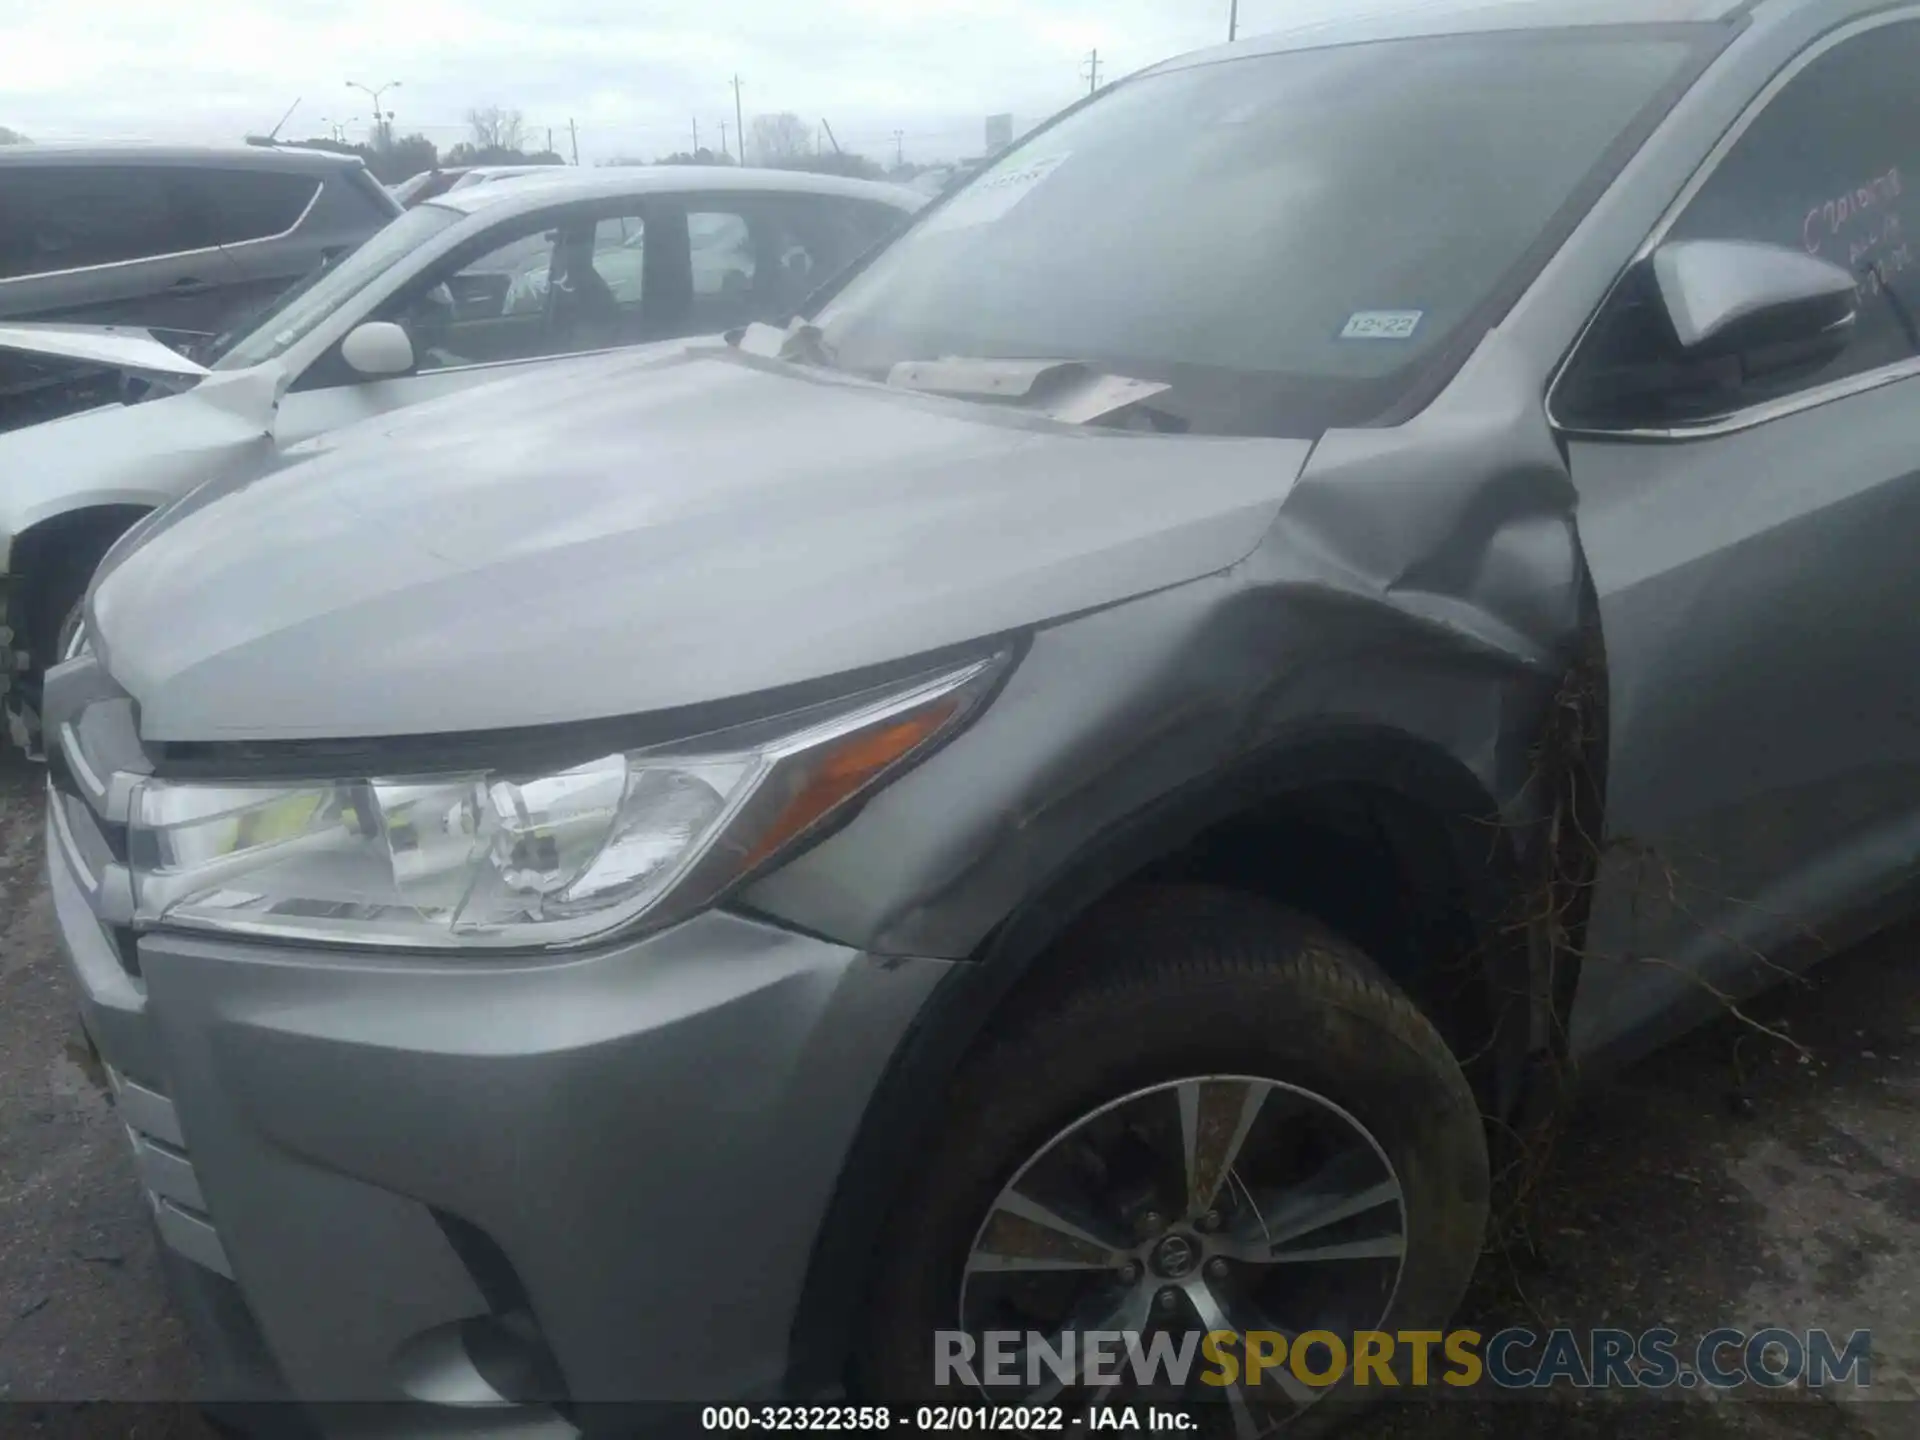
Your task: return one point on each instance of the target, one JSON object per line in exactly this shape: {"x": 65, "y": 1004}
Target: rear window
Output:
{"x": 1285, "y": 239}
{"x": 235, "y": 206}
{"x": 69, "y": 217}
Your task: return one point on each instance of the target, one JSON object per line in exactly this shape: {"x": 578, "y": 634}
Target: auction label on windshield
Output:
{"x": 1382, "y": 324}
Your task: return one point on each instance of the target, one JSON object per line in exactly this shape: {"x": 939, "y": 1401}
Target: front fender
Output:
{"x": 144, "y": 455}
{"x": 1416, "y": 619}
{"x": 1425, "y": 581}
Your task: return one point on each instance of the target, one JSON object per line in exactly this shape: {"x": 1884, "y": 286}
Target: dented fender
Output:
{"x": 1420, "y": 595}
{"x": 144, "y": 454}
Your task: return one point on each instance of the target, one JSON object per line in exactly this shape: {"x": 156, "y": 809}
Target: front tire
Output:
{"x": 1214, "y": 1114}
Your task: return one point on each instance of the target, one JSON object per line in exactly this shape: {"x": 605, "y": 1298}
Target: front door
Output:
{"x": 540, "y": 287}
{"x": 1758, "y": 572}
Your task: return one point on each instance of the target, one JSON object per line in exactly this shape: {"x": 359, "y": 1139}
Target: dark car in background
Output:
{"x": 185, "y": 242}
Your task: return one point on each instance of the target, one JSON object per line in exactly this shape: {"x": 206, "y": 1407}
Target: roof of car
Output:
{"x": 488, "y": 171}
{"x": 1407, "y": 21}
{"x": 263, "y": 157}
{"x": 531, "y": 192}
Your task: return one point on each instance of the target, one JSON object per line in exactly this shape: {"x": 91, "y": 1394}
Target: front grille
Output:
{"x": 97, "y": 843}
{"x": 92, "y": 747}
{"x": 125, "y": 947}
{"x": 60, "y": 775}
{"x": 167, "y": 1174}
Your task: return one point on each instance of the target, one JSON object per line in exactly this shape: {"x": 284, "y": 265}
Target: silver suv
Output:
{"x": 1347, "y": 577}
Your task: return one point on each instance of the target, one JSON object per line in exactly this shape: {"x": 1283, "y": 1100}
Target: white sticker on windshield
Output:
{"x": 1382, "y": 325}
{"x": 994, "y": 193}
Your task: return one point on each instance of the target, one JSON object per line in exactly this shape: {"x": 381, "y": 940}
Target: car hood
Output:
{"x": 115, "y": 346}
{"x": 642, "y": 534}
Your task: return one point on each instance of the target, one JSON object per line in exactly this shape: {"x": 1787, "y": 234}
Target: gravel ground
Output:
{"x": 1670, "y": 1205}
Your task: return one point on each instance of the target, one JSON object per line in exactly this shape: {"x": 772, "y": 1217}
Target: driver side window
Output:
{"x": 1825, "y": 169}
{"x": 483, "y": 309}
{"x": 558, "y": 284}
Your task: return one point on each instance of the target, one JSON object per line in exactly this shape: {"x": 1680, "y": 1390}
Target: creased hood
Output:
{"x": 116, "y": 346}
{"x": 639, "y": 534}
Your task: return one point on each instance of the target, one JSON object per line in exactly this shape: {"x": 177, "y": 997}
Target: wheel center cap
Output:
{"x": 1176, "y": 1256}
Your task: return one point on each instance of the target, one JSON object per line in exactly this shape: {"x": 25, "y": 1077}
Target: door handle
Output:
{"x": 187, "y": 285}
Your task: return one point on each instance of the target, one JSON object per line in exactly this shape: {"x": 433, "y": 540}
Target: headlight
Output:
{"x": 491, "y": 858}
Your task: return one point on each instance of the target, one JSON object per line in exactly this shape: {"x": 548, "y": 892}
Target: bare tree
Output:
{"x": 493, "y": 128}
{"x": 781, "y": 139}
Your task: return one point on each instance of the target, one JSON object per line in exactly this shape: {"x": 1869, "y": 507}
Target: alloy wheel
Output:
{"x": 1215, "y": 1202}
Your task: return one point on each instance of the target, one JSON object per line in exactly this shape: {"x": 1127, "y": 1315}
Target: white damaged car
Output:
{"x": 462, "y": 290}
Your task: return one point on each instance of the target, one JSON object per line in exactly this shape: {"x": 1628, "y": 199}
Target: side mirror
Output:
{"x": 1766, "y": 305}
{"x": 377, "y": 348}
{"x": 1705, "y": 328}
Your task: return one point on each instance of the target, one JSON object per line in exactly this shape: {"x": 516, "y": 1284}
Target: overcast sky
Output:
{"x": 633, "y": 74}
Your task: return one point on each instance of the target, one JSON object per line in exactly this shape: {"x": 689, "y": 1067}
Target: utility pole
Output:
{"x": 696, "y": 137}
{"x": 1233, "y": 22}
{"x": 899, "y": 154}
{"x": 1093, "y": 72}
{"x": 382, "y": 119}
{"x": 573, "y": 137}
{"x": 739, "y": 120}
{"x": 723, "y": 141}
{"x": 550, "y": 149}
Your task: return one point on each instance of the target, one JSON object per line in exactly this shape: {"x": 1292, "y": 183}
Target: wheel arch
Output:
{"x": 1420, "y": 776}
{"x": 37, "y": 551}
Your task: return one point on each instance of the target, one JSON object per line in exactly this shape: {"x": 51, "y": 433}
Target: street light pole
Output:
{"x": 739, "y": 121}
{"x": 382, "y": 119}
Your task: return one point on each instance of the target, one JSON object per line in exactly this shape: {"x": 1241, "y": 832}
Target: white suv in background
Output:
{"x": 453, "y": 293}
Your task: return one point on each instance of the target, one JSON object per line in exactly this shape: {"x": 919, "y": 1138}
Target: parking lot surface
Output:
{"x": 1726, "y": 1181}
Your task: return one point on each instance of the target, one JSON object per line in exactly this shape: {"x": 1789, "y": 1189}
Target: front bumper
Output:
{"x": 460, "y": 1183}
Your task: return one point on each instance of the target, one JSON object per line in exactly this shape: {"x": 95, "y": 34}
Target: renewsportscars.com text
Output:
{"x": 1511, "y": 1359}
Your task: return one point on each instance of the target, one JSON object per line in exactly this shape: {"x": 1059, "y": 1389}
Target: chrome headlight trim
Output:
{"x": 497, "y": 861}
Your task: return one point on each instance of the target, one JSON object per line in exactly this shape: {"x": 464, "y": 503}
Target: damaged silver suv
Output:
{"x": 1062, "y": 790}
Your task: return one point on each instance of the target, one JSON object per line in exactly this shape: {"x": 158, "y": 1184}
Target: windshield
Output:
{"x": 328, "y": 287}
{"x": 1282, "y": 238}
